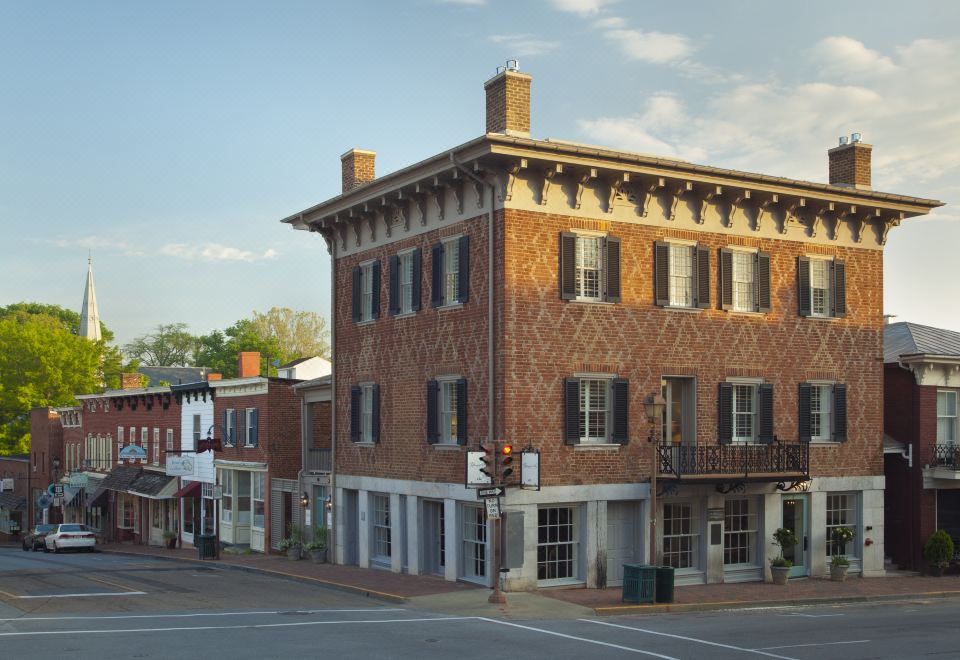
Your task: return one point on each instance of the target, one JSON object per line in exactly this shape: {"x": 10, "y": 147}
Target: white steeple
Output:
{"x": 90, "y": 315}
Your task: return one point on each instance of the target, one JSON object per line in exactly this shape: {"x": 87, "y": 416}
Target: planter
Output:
{"x": 780, "y": 574}
{"x": 936, "y": 570}
{"x": 171, "y": 543}
{"x": 319, "y": 556}
{"x": 838, "y": 573}
{"x": 293, "y": 554}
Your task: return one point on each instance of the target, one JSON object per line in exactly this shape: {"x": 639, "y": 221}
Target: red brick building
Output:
{"x": 14, "y": 489}
{"x": 541, "y": 291}
{"x": 922, "y": 463}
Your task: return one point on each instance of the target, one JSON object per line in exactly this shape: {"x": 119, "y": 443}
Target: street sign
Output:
{"x": 45, "y": 500}
{"x": 79, "y": 480}
{"x": 58, "y": 490}
{"x": 475, "y": 465}
{"x": 490, "y": 492}
{"x": 180, "y": 466}
{"x": 530, "y": 470}
{"x": 493, "y": 508}
{"x": 133, "y": 453}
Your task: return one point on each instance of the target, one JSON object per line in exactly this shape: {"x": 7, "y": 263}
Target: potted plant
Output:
{"x": 318, "y": 546}
{"x": 780, "y": 566}
{"x": 838, "y": 568}
{"x": 170, "y": 539}
{"x": 293, "y": 543}
{"x": 938, "y": 551}
{"x": 839, "y": 564}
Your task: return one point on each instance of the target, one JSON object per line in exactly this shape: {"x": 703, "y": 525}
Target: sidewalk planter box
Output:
{"x": 664, "y": 584}
{"x": 639, "y": 583}
{"x": 838, "y": 573}
{"x": 207, "y": 546}
{"x": 780, "y": 574}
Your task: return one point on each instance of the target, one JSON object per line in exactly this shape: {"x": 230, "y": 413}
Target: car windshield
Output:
{"x": 43, "y": 529}
{"x": 71, "y": 528}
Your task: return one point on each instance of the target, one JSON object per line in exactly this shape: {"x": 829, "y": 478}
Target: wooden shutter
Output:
{"x": 839, "y": 281}
{"x": 661, "y": 273}
{"x": 725, "y": 413}
{"x": 463, "y": 278}
{"x": 394, "y": 302}
{"x": 571, "y": 409}
{"x": 357, "y": 294}
{"x": 701, "y": 273}
{"x": 462, "y": 412}
{"x": 375, "y": 413}
{"x": 840, "y": 413}
{"x": 417, "y": 277}
{"x": 276, "y": 519}
{"x": 375, "y": 302}
{"x": 226, "y": 428}
{"x": 355, "y": 400}
{"x": 433, "y": 426}
{"x": 762, "y": 275}
{"x": 765, "y": 418}
{"x": 621, "y": 410}
{"x": 613, "y": 269}
{"x": 803, "y": 414}
{"x": 803, "y": 285}
{"x": 436, "y": 279}
{"x": 254, "y": 426}
{"x": 241, "y": 426}
{"x": 726, "y": 279}
{"x": 568, "y": 266}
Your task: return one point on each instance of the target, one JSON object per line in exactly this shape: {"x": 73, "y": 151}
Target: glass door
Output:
{"x": 795, "y": 519}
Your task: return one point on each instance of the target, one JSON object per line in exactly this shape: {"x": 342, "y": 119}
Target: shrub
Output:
{"x": 784, "y": 538}
{"x": 938, "y": 549}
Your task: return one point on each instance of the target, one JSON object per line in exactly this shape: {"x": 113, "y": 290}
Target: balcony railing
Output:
{"x": 318, "y": 460}
{"x": 947, "y": 456}
{"x": 771, "y": 462}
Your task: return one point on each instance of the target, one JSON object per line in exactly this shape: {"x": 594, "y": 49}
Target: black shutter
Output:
{"x": 375, "y": 302}
{"x": 725, "y": 414}
{"x": 417, "y": 277}
{"x": 571, "y": 409}
{"x": 436, "y": 280}
{"x": 254, "y": 427}
{"x": 226, "y": 428}
{"x": 375, "y": 414}
{"x": 463, "y": 278}
{"x": 661, "y": 273}
{"x": 613, "y": 269}
{"x": 765, "y": 418}
{"x": 840, "y": 413}
{"x": 394, "y": 302}
{"x": 357, "y": 294}
{"x": 621, "y": 411}
{"x": 839, "y": 269}
{"x": 726, "y": 279}
{"x": 803, "y": 285}
{"x": 432, "y": 421}
{"x": 701, "y": 272}
{"x": 568, "y": 266}
{"x": 355, "y": 414}
{"x": 803, "y": 419}
{"x": 241, "y": 426}
{"x": 462, "y": 412}
{"x": 762, "y": 273}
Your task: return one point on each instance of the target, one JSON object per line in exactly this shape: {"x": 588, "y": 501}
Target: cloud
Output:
{"x": 581, "y": 7}
{"x": 98, "y": 244}
{"x": 214, "y": 252}
{"x": 609, "y": 23}
{"x": 524, "y": 45}
{"x": 655, "y": 47}
{"x": 845, "y": 57}
{"x": 464, "y": 3}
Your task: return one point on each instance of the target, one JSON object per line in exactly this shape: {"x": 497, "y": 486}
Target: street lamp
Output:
{"x": 654, "y": 405}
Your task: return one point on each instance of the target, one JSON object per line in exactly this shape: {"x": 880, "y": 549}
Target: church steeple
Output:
{"x": 90, "y": 315}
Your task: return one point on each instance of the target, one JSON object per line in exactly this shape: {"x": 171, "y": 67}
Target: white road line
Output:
{"x": 197, "y": 614}
{"x": 579, "y": 639}
{"x": 813, "y": 616}
{"x": 688, "y": 639}
{"x": 113, "y": 593}
{"x": 39, "y": 633}
{"x": 796, "y": 646}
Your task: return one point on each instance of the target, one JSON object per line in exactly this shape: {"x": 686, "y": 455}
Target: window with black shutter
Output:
{"x": 725, "y": 414}
{"x": 571, "y": 410}
{"x": 621, "y": 410}
{"x": 590, "y": 268}
{"x": 436, "y": 275}
{"x": 822, "y": 287}
{"x": 840, "y": 412}
{"x": 763, "y": 282}
{"x": 433, "y": 421}
{"x": 765, "y": 419}
{"x": 661, "y": 273}
{"x": 357, "y": 295}
{"x": 681, "y": 275}
{"x": 450, "y": 281}
{"x": 803, "y": 285}
{"x": 804, "y": 414}
{"x": 744, "y": 280}
{"x": 702, "y": 255}
{"x": 355, "y": 404}
{"x": 394, "y": 302}
{"x": 839, "y": 288}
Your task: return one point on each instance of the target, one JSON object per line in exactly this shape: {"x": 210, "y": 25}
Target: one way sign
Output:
{"x": 490, "y": 492}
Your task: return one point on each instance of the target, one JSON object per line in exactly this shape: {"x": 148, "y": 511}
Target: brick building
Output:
{"x": 14, "y": 488}
{"x": 317, "y": 457}
{"x": 922, "y": 463}
{"x": 541, "y": 291}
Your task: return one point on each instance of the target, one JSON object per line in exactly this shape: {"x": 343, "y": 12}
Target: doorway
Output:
{"x": 795, "y": 511}
{"x": 351, "y": 530}
{"x": 434, "y": 556}
{"x": 622, "y": 541}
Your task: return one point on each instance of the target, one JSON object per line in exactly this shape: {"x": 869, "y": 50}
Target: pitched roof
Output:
{"x": 120, "y": 478}
{"x": 175, "y": 375}
{"x": 914, "y": 339}
{"x": 12, "y": 502}
{"x": 150, "y": 483}
{"x": 294, "y": 363}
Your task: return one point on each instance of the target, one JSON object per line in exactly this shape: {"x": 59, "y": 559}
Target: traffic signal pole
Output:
{"x": 502, "y": 456}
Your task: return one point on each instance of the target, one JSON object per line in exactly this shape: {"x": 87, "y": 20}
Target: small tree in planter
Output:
{"x": 293, "y": 544}
{"x": 170, "y": 539}
{"x": 318, "y": 546}
{"x": 780, "y": 566}
{"x": 938, "y": 551}
{"x": 839, "y": 564}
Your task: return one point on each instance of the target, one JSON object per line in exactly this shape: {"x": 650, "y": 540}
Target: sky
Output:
{"x": 169, "y": 138}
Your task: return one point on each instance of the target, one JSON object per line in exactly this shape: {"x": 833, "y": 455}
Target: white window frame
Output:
{"x": 741, "y": 531}
{"x": 258, "y": 481}
{"x": 451, "y": 270}
{"x": 815, "y": 308}
{"x": 679, "y": 542}
{"x": 593, "y": 414}
{"x": 752, "y": 414}
{"x": 156, "y": 446}
{"x": 227, "y": 496}
{"x": 581, "y": 269}
{"x": 366, "y": 412}
{"x": 197, "y": 430}
{"x": 474, "y": 542}
{"x": 366, "y": 291}
{"x": 447, "y": 409}
{"x": 381, "y": 546}
{"x": 821, "y": 411}
{"x": 405, "y": 275}
{"x": 744, "y": 291}
{"x": 170, "y": 440}
{"x": 562, "y": 554}
{"x": 842, "y": 510}
{"x": 144, "y": 438}
{"x": 231, "y": 428}
{"x": 946, "y": 422}
{"x": 247, "y": 427}
{"x": 680, "y": 280}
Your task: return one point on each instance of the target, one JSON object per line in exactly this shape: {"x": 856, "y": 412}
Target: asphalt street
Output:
{"x": 105, "y": 606}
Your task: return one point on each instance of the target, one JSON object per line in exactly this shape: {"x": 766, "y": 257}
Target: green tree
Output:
{"x": 219, "y": 350}
{"x": 69, "y": 318}
{"x": 297, "y": 333}
{"x": 169, "y": 345}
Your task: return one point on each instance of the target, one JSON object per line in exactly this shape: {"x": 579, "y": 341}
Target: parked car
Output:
{"x": 34, "y": 539}
{"x": 70, "y": 536}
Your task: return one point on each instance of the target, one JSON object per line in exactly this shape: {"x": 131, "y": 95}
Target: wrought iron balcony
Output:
{"x": 777, "y": 461}
{"x": 947, "y": 456}
{"x": 318, "y": 460}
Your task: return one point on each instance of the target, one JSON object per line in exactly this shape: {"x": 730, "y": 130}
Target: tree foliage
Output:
{"x": 169, "y": 345}
{"x": 297, "y": 333}
{"x": 219, "y": 350}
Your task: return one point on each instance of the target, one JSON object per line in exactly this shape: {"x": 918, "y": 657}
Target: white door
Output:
{"x": 622, "y": 539}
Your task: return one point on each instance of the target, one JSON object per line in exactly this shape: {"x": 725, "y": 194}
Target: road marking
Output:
{"x": 197, "y": 614}
{"x": 109, "y": 582}
{"x": 238, "y": 627}
{"x": 115, "y": 593}
{"x": 7, "y": 594}
{"x": 579, "y": 639}
{"x": 813, "y": 616}
{"x": 796, "y": 646}
{"x": 688, "y": 639}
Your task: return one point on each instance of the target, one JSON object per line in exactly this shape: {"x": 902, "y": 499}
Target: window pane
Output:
{"x": 589, "y": 267}
{"x": 743, "y": 288}
{"x": 820, "y": 287}
{"x": 743, "y": 411}
{"x": 593, "y": 410}
{"x": 557, "y": 546}
{"x": 681, "y": 275}
{"x": 452, "y": 272}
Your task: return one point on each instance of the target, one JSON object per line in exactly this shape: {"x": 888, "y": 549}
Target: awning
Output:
{"x": 73, "y": 498}
{"x": 12, "y": 502}
{"x": 192, "y": 489}
{"x": 98, "y": 498}
{"x": 153, "y": 486}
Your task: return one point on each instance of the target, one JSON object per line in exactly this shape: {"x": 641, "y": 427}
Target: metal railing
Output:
{"x": 947, "y": 455}
{"x": 318, "y": 460}
{"x": 776, "y": 458}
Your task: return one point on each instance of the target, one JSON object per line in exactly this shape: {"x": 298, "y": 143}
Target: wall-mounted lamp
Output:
{"x": 328, "y": 503}
{"x": 654, "y": 403}
{"x": 304, "y": 500}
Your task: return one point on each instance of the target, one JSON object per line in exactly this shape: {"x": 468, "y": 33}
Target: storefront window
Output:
{"x": 187, "y": 515}
{"x": 681, "y": 538}
{"x": 226, "y": 504}
{"x": 243, "y": 497}
{"x": 258, "y": 479}
{"x": 556, "y": 543}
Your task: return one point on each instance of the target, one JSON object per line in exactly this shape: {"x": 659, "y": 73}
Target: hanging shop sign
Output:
{"x": 133, "y": 453}
{"x": 180, "y": 466}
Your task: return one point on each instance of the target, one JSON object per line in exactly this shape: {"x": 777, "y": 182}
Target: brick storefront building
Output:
{"x": 540, "y": 292}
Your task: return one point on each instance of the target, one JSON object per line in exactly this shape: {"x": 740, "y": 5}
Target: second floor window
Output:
{"x": 251, "y": 426}
{"x": 230, "y": 427}
{"x": 823, "y": 412}
{"x": 822, "y": 287}
{"x": 405, "y": 282}
{"x": 745, "y": 412}
{"x": 450, "y": 277}
{"x": 946, "y": 417}
{"x": 196, "y": 431}
{"x": 447, "y": 411}
{"x": 365, "y": 413}
{"x": 366, "y": 292}
{"x": 744, "y": 280}
{"x": 589, "y": 267}
{"x": 597, "y": 410}
{"x": 681, "y": 275}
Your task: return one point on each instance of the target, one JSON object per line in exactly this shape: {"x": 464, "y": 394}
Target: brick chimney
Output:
{"x": 850, "y": 163}
{"x": 357, "y": 168}
{"x": 249, "y": 364}
{"x": 508, "y": 101}
{"x": 130, "y": 381}
{"x": 211, "y": 377}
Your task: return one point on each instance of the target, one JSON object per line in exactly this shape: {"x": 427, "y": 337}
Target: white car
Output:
{"x": 70, "y": 536}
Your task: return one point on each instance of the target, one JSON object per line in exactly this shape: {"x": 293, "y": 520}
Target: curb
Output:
{"x": 616, "y": 610}
{"x": 339, "y": 586}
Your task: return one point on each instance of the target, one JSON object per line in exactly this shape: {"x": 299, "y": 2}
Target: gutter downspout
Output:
{"x": 332, "y": 536}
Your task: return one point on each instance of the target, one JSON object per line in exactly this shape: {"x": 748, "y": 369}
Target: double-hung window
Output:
{"x": 382, "y": 535}
{"x": 366, "y": 291}
{"x": 250, "y": 427}
{"x": 597, "y": 410}
{"x": 681, "y": 275}
{"x": 740, "y": 525}
{"x": 365, "y": 412}
{"x": 594, "y": 410}
{"x": 744, "y": 280}
{"x": 196, "y": 432}
{"x": 842, "y": 512}
{"x": 557, "y": 544}
{"x": 169, "y": 446}
{"x": 745, "y": 412}
{"x": 589, "y": 267}
{"x": 680, "y": 541}
{"x": 230, "y": 427}
{"x": 258, "y": 498}
{"x": 405, "y": 282}
{"x": 450, "y": 275}
{"x": 822, "y": 284}
{"x": 823, "y": 412}
{"x": 946, "y": 417}
{"x": 447, "y": 411}
{"x": 156, "y": 446}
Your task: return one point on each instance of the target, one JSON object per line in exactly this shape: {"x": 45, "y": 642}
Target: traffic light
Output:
{"x": 489, "y": 459}
{"x": 506, "y": 461}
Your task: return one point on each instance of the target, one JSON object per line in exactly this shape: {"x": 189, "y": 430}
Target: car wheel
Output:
{"x": 56, "y": 548}
{"x": 45, "y": 548}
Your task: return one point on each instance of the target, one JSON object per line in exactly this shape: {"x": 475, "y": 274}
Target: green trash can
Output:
{"x": 207, "y": 546}
{"x": 639, "y": 583}
{"x": 664, "y": 585}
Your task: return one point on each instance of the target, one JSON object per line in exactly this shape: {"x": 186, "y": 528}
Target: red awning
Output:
{"x": 190, "y": 489}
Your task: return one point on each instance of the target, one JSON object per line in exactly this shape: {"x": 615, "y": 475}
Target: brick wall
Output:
{"x": 508, "y": 103}
{"x": 322, "y": 424}
{"x": 104, "y": 417}
{"x": 46, "y": 443}
{"x": 850, "y": 164}
{"x": 357, "y": 167}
